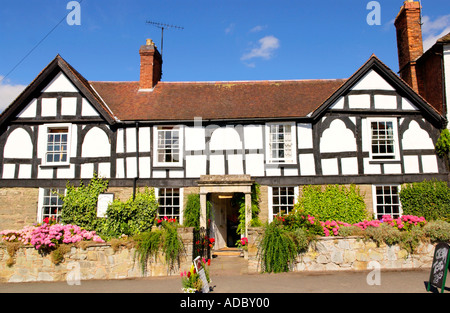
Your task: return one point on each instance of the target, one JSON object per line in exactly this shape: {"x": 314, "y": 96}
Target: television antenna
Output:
{"x": 162, "y": 26}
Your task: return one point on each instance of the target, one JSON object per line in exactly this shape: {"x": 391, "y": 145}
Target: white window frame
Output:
{"x": 156, "y": 163}
{"x": 375, "y": 202}
{"x": 396, "y": 154}
{"x": 270, "y": 198}
{"x": 293, "y": 158}
{"x": 181, "y": 190}
{"x": 49, "y": 127}
{"x": 40, "y": 211}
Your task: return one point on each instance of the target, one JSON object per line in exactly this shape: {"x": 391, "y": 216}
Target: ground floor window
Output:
{"x": 50, "y": 203}
{"x": 387, "y": 201}
{"x": 281, "y": 200}
{"x": 169, "y": 200}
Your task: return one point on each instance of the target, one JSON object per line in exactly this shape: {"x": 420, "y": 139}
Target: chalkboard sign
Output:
{"x": 440, "y": 266}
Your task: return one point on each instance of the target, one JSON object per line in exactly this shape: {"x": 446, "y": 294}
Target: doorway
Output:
{"x": 225, "y": 220}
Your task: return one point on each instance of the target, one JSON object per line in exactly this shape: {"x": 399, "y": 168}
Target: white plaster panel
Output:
{"x": 407, "y": 105}
{"x": 349, "y": 166}
{"x": 253, "y": 136}
{"x": 235, "y": 164}
{"x": 159, "y": 174}
{"x": 24, "y": 171}
{"x": 372, "y": 81}
{"x": 29, "y": 111}
{"x": 330, "y": 167}
{"x": 254, "y": 165}
{"x": 69, "y": 106}
{"x": 120, "y": 143}
{"x": 96, "y": 144}
{"x": 87, "y": 170}
{"x": 371, "y": 168}
{"x": 385, "y": 102}
{"x": 338, "y": 104}
{"x": 430, "y": 164}
{"x": 307, "y": 164}
{"x": 130, "y": 133}
{"x": 144, "y": 139}
{"x": 144, "y": 167}
{"x": 225, "y": 138}
{"x": 416, "y": 138}
{"x": 337, "y": 138}
{"x": 290, "y": 172}
{"x": 9, "y": 171}
{"x": 217, "y": 165}
{"x": 48, "y": 106}
{"x": 305, "y": 136}
{"x": 87, "y": 109}
{"x": 60, "y": 84}
{"x": 273, "y": 171}
{"x": 195, "y": 138}
{"x": 104, "y": 170}
{"x": 195, "y": 165}
{"x": 411, "y": 164}
{"x": 66, "y": 172}
{"x": 18, "y": 145}
{"x": 120, "y": 168}
{"x": 131, "y": 167}
{"x": 44, "y": 173}
{"x": 365, "y": 135}
{"x": 392, "y": 168}
{"x": 359, "y": 101}
{"x": 176, "y": 174}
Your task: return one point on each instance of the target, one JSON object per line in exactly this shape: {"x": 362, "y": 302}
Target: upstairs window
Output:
{"x": 384, "y": 139}
{"x": 169, "y": 143}
{"x": 57, "y": 145}
{"x": 281, "y": 143}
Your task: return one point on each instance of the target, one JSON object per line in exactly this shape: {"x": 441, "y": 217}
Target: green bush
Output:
{"x": 335, "y": 203}
{"x": 80, "y": 204}
{"x": 437, "y": 231}
{"x": 191, "y": 212}
{"x": 132, "y": 216}
{"x": 430, "y": 199}
{"x": 280, "y": 247}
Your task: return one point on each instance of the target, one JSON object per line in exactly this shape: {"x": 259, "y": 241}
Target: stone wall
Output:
{"x": 94, "y": 261}
{"x": 18, "y": 207}
{"x": 352, "y": 253}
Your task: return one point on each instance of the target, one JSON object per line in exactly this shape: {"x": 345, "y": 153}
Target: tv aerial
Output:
{"x": 163, "y": 26}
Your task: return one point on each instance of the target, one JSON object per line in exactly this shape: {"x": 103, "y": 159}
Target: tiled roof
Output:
{"x": 444, "y": 39}
{"x": 183, "y": 101}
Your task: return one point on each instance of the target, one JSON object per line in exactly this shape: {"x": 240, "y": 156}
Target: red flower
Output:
{"x": 189, "y": 274}
{"x": 209, "y": 262}
{"x": 46, "y": 220}
{"x": 212, "y": 240}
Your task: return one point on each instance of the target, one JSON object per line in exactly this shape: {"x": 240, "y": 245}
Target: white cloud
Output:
{"x": 230, "y": 28}
{"x": 434, "y": 29}
{"x": 8, "y": 92}
{"x": 267, "y": 46}
{"x": 258, "y": 28}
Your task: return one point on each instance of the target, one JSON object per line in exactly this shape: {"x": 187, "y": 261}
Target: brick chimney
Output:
{"x": 151, "y": 65}
{"x": 409, "y": 41}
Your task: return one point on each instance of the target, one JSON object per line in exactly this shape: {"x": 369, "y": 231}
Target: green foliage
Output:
{"x": 437, "y": 231}
{"x": 335, "y": 203}
{"x": 430, "y": 199}
{"x": 239, "y": 200}
{"x": 192, "y": 211}
{"x": 443, "y": 143}
{"x": 132, "y": 216}
{"x": 165, "y": 239}
{"x": 80, "y": 203}
{"x": 279, "y": 247}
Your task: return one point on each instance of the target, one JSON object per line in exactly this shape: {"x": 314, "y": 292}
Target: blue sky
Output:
{"x": 222, "y": 40}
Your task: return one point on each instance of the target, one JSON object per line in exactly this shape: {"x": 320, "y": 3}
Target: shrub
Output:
{"x": 132, "y": 216}
{"x": 437, "y": 231}
{"x": 336, "y": 202}
{"x": 279, "y": 247}
{"x": 192, "y": 211}
{"x": 80, "y": 203}
{"x": 430, "y": 199}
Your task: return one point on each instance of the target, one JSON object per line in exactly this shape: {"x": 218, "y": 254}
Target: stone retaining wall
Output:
{"x": 352, "y": 253}
{"x": 94, "y": 261}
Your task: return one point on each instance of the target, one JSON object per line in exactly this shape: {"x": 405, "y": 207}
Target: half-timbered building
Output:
{"x": 215, "y": 139}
